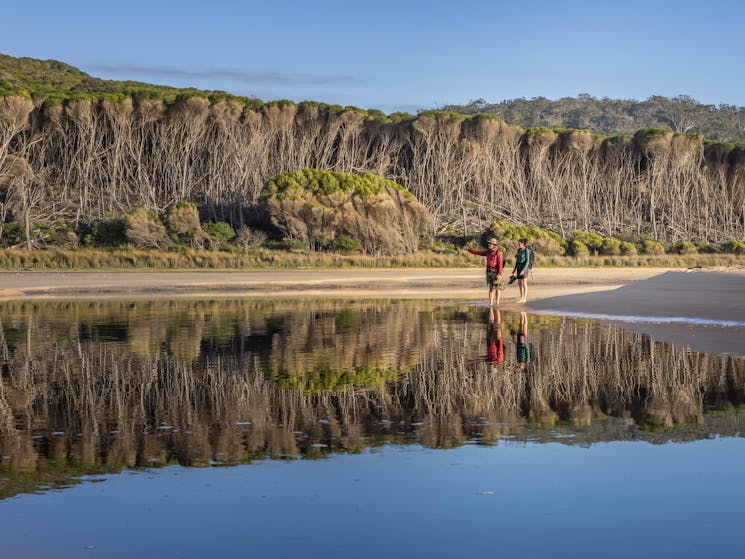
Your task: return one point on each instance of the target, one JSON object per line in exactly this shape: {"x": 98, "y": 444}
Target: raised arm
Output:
{"x": 477, "y": 252}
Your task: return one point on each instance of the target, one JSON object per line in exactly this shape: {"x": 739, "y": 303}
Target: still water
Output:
{"x": 235, "y": 428}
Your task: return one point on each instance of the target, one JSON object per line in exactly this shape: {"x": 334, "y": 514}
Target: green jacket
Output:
{"x": 522, "y": 260}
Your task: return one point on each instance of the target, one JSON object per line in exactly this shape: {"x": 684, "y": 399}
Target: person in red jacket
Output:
{"x": 494, "y": 342}
{"x": 494, "y": 267}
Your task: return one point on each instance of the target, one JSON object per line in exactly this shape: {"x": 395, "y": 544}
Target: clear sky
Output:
{"x": 397, "y": 55}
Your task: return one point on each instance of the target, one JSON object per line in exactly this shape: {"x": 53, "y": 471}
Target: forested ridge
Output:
{"x": 681, "y": 113}
{"x": 75, "y": 150}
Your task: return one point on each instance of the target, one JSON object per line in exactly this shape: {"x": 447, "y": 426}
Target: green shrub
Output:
{"x": 14, "y": 233}
{"x": 316, "y": 206}
{"x": 578, "y": 248}
{"x": 627, "y": 248}
{"x": 683, "y": 247}
{"x": 545, "y": 242}
{"x": 645, "y": 135}
{"x": 734, "y": 247}
{"x": 706, "y": 248}
{"x": 295, "y": 245}
{"x": 292, "y": 245}
{"x": 109, "y": 233}
{"x": 548, "y": 246}
{"x": 592, "y": 241}
{"x": 441, "y": 245}
{"x": 294, "y": 184}
{"x": 220, "y": 231}
{"x": 610, "y": 247}
{"x": 475, "y": 244}
{"x": 346, "y": 242}
{"x": 144, "y": 230}
{"x": 183, "y": 224}
{"x": 652, "y": 247}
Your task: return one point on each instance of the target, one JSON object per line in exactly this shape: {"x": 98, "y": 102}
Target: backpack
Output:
{"x": 531, "y": 257}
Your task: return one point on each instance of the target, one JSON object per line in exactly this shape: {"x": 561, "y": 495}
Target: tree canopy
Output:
{"x": 617, "y": 116}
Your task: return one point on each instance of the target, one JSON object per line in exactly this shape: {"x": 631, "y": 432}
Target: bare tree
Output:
{"x": 97, "y": 160}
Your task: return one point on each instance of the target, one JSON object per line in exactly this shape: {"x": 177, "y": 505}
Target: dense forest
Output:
{"x": 74, "y": 152}
{"x": 618, "y": 116}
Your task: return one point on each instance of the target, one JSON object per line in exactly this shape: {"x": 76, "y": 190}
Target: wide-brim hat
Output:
{"x": 491, "y": 241}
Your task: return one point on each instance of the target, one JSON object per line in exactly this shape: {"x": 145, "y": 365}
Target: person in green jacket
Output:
{"x": 523, "y": 348}
{"x": 523, "y": 263}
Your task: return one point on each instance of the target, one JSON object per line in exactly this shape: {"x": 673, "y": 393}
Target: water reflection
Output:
{"x": 91, "y": 387}
{"x": 523, "y": 348}
{"x": 494, "y": 341}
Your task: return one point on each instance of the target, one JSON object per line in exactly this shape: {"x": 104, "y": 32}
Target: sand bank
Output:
{"x": 703, "y": 309}
{"x": 458, "y": 283}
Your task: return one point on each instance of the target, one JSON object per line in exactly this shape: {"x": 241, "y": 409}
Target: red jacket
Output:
{"x": 495, "y": 351}
{"x": 494, "y": 260}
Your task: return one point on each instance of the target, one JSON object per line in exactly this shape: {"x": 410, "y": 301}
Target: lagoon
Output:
{"x": 181, "y": 428}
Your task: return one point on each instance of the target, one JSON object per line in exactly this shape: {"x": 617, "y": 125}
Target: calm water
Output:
{"x": 239, "y": 428}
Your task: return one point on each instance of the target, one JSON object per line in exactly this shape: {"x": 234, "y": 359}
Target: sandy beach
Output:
{"x": 456, "y": 283}
{"x": 704, "y": 309}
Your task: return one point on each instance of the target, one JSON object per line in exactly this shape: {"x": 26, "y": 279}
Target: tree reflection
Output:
{"x": 90, "y": 387}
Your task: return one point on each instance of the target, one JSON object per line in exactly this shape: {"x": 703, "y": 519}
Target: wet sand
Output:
{"x": 707, "y": 306}
{"x": 702, "y": 309}
{"x": 456, "y": 283}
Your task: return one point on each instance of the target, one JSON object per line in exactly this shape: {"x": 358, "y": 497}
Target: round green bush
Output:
{"x": 543, "y": 241}
{"x": 734, "y": 247}
{"x": 292, "y": 184}
{"x": 106, "y": 233}
{"x": 610, "y": 247}
{"x": 592, "y": 241}
{"x": 683, "y": 247}
{"x": 628, "y": 249}
{"x": 316, "y": 206}
{"x": 578, "y": 248}
{"x": 221, "y": 230}
{"x": 182, "y": 222}
{"x": 144, "y": 230}
{"x": 346, "y": 242}
{"x": 652, "y": 247}
{"x": 706, "y": 248}
{"x": 14, "y": 233}
{"x": 549, "y": 247}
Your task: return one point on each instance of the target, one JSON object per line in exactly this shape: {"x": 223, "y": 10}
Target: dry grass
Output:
{"x": 84, "y": 259}
{"x": 644, "y": 260}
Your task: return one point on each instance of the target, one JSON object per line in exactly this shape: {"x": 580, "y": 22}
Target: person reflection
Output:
{"x": 494, "y": 343}
{"x": 523, "y": 348}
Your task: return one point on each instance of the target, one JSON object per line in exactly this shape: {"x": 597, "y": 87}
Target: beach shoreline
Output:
{"x": 703, "y": 309}
{"x": 456, "y": 283}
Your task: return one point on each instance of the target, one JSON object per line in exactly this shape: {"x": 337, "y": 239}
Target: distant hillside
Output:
{"x": 55, "y": 82}
{"x": 617, "y": 116}
{"x": 50, "y": 82}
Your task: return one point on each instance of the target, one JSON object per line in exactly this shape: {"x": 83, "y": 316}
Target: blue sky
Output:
{"x": 397, "y": 55}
